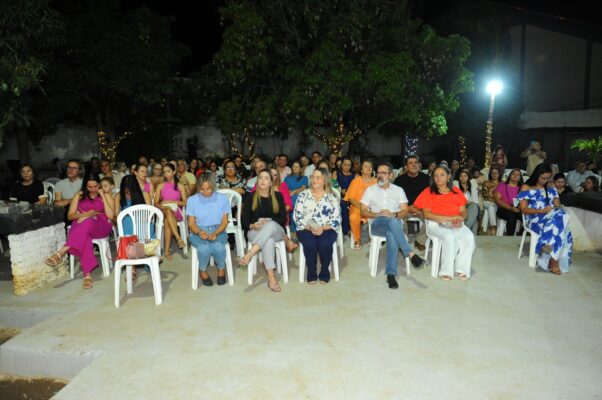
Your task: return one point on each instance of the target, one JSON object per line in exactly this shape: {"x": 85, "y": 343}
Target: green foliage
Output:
{"x": 307, "y": 64}
{"x": 592, "y": 147}
{"x": 29, "y": 30}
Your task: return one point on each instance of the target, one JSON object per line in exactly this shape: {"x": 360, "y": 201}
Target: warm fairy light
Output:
{"x": 463, "y": 158}
{"x": 341, "y": 137}
{"x": 249, "y": 142}
{"x": 108, "y": 147}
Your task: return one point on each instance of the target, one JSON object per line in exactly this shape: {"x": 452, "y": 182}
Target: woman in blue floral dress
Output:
{"x": 545, "y": 217}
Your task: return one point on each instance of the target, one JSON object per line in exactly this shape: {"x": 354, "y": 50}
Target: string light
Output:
{"x": 411, "y": 145}
{"x": 463, "y": 158}
{"x": 249, "y": 142}
{"x": 108, "y": 146}
{"x": 339, "y": 138}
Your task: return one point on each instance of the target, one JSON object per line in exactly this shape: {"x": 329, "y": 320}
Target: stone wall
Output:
{"x": 28, "y": 252}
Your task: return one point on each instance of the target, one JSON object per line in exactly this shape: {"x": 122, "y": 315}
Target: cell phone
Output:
{"x": 263, "y": 220}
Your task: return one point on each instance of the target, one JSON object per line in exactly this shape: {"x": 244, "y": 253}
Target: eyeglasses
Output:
{"x": 382, "y": 173}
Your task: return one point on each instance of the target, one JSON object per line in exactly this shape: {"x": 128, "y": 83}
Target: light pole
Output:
{"x": 493, "y": 88}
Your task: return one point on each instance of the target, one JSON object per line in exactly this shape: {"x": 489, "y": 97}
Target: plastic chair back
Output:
{"x": 235, "y": 200}
{"x": 143, "y": 216}
{"x": 49, "y": 191}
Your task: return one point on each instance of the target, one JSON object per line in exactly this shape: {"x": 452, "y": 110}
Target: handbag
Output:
{"x": 150, "y": 247}
{"x": 124, "y": 242}
{"x": 135, "y": 250}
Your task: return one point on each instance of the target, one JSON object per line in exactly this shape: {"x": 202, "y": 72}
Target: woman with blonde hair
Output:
{"x": 317, "y": 216}
{"x": 263, "y": 220}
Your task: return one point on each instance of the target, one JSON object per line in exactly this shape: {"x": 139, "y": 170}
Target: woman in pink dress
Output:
{"x": 170, "y": 197}
{"x": 91, "y": 211}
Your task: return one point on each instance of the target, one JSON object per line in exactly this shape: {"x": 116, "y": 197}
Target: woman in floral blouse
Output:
{"x": 317, "y": 216}
{"x": 230, "y": 179}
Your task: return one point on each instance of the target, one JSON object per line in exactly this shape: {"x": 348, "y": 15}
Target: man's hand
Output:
{"x": 413, "y": 210}
{"x": 386, "y": 213}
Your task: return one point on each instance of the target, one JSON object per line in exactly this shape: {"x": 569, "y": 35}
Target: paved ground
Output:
{"x": 508, "y": 333}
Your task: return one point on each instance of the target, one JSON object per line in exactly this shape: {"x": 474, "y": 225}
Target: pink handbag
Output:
{"x": 135, "y": 250}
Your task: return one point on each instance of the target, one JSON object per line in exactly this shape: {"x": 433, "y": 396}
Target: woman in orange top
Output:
{"x": 444, "y": 209}
{"x": 354, "y": 195}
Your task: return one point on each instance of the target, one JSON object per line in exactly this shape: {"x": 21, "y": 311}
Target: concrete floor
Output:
{"x": 508, "y": 333}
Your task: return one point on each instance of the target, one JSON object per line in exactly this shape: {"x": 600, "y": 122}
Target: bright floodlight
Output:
{"x": 494, "y": 87}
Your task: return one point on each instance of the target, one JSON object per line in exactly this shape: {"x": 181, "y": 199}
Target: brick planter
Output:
{"x": 28, "y": 251}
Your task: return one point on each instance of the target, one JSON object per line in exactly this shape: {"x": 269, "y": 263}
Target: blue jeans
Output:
{"x": 314, "y": 245}
{"x": 206, "y": 248}
{"x": 392, "y": 229}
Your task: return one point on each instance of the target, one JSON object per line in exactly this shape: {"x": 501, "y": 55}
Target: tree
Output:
{"x": 113, "y": 70}
{"x": 316, "y": 64}
{"x": 592, "y": 147}
{"x": 29, "y": 31}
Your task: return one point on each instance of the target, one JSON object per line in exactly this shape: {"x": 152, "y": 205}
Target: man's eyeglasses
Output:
{"x": 383, "y": 173}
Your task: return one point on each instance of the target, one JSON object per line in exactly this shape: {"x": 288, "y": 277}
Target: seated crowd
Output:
{"x": 310, "y": 201}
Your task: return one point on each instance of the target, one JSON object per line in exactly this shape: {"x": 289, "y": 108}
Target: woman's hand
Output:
{"x": 318, "y": 231}
{"x": 457, "y": 223}
{"x": 256, "y": 226}
{"x": 515, "y": 209}
{"x": 546, "y": 210}
{"x": 204, "y": 235}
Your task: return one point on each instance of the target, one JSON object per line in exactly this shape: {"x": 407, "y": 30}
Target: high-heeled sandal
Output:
{"x": 181, "y": 244}
{"x": 53, "y": 261}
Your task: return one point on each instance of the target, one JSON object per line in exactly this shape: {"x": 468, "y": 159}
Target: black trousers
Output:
{"x": 510, "y": 218}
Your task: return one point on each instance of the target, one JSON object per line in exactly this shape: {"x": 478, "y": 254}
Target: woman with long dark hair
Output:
{"x": 344, "y": 176}
{"x": 489, "y": 199}
{"x": 91, "y": 211}
{"x": 170, "y": 197}
{"x": 505, "y": 196}
{"x": 444, "y": 209}
{"x": 28, "y": 188}
{"x": 470, "y": 189}
{"x": 545, "y": 216}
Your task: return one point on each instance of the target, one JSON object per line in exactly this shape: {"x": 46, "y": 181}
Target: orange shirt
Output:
{"x": 357, "y": 188}
{"x": 443, "y": 204}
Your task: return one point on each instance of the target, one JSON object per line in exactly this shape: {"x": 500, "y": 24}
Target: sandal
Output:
{"x": 357, "y": 246}
{"x": 463, "y": 277}
{"x": 445, "y": 278}
{"x": 275, "y": 287}
{"x": 87, "y": 283}
{"x": 312, "y": 282}
{"x": 244, "y": 261}
{"x": 553, "y": 267}
{"x": 168, "y": 257}
{"x": 181, "y": 244}
{"x": 53, "y": 261}
{"x": 291, "y": 246}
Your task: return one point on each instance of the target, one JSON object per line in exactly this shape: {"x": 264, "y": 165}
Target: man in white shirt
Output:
{"x": 316, "y": 157}
{"x": 388, "y": 205}
{"x": 576, "y": 178}
{"x": 186, "y": 178}
{"x": 67, "y": 188}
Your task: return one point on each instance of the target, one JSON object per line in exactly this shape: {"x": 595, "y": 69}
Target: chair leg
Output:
{"x": 335, "y": 262}
{"x": 532, "y": 254}
{"x": 407, "y": 261}
{"x": 435, "y": 258}
{"x": 522, "y": 242}
{"x": 301, "y": 264}
{"x": 283, "y": 262}
{"x": 103, "y": 247}
{"x": 195, "y": 269}
{"x": 229, "y": 269}
{"x": 427, "y": 245}
{"x": 128, "y": 277}
{"x": 72, "y": 266}
{"x": 156, "y": 277}
{"x": 117, "y": 273}
{"x": 374, "y": 250}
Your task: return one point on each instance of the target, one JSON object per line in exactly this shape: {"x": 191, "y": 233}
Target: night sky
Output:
{"x": 196, "y": 23}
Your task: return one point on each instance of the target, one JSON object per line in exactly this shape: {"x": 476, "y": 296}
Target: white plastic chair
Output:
{"x": 533, "y": 243}
{"x": 183, "y": 228}
{"x": 235, "y": 201}
{"x": 375, "y": 244}
{"x": 142, "y": 216}
{"x": 339, "y": 230}
{"x": 105, "y": 259}
{"x": 195, "y": 267}
{"x": 501, "y": 227}
{"x": 436, "y": 254}
{"x": 485, "y": 220}
{"x": 334, "y": 264}
{"x": 281, "y": 264}
{"x": 49, "y": 191}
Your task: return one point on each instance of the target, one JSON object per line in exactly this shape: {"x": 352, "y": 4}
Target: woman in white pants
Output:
{"x": 489, "y": 199}
{"x": 444, "y": 209}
